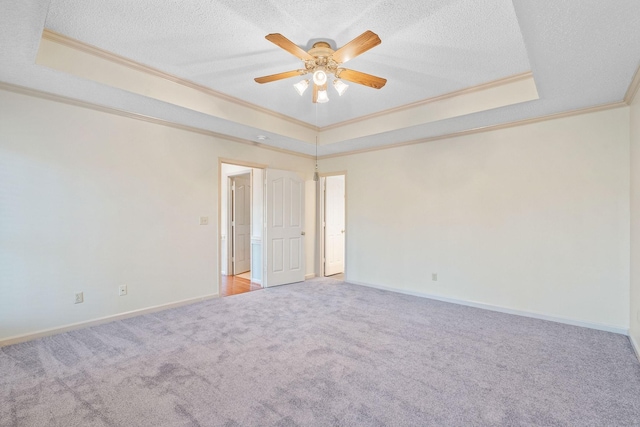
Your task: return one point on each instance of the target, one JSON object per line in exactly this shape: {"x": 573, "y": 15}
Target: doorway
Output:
{"x": 272, "y": 203}
{"x": 333, "y": 222}
{"x": 241, "y": 225}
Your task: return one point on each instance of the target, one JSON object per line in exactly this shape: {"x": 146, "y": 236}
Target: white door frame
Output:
{"x": 230, "y": 235}
{"x": 319, "y": 270}
{"x": 222, "y": 161}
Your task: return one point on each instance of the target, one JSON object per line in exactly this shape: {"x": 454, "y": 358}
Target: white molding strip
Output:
{"x": 496, "y": 94}
{"x": 99, "y": 321}
{"x": 309, "y": 276}
{"x": 632, "y": 91}
{"x": 635, "y": 345}
{"x": 516, "y": 123}
{"x": 136, "y": 116}
{"x": 478, "y": 88}
{"x": 60, "y": 55}
{"x": 500, "y": 309}
{"x": 121, "y": 60}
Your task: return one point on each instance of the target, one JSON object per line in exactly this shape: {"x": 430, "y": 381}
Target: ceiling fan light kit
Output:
{"x": 340, "y": 86}
{"x": 322, "y": 97}
{"x": 321, "y": 60}
{"x": 301, "y": 86}
{"x": 319, "y": 77}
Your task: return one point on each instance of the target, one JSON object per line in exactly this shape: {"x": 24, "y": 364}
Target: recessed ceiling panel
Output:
{"x": 428, "y": 48}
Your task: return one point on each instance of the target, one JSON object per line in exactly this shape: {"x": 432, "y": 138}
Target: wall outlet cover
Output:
{"x": 434, "y": 277}
{"x": 79, "y": 297}
{"x": 204, "y": 220}
{"x": 122, "y": 290}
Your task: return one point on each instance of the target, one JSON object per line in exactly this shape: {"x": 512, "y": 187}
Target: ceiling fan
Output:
{"x": 321, "y": 61}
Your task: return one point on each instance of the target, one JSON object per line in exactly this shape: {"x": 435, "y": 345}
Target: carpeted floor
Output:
{"x": 322, "y": 353}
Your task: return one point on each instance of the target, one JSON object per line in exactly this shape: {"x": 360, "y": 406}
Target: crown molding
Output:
{"x": 555, "y": 116}
{"x": 466, "y": 91}
{"x": 632, "y": 91}
{"x": 110, "y": 110}
{"x": 120, "y": 60}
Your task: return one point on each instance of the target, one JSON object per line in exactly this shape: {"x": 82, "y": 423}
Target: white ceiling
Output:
{"x": 582, "y": 54}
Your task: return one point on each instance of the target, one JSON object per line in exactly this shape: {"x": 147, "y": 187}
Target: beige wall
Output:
{"x": 90, "y": 201}
{"x": 634, "y": 327}
{"x": 531, "y": 219}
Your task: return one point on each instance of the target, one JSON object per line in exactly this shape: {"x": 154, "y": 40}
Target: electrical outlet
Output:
{"x": 122, "y": 290}
{"x": 204, "y": 220}
{"x": 434, "y": 277}
{"x": 79, "y": 297}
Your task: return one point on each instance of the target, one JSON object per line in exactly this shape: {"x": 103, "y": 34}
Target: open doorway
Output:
{"x": 277, "y": 236}
{"x": 241, "y": 226}
{"x": 333, "y": 222}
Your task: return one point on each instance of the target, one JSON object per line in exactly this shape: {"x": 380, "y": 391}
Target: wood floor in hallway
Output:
{"x": 234, "y": 285}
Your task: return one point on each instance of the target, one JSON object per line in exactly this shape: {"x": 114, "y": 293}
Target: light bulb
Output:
{"x": 319, "y": 77}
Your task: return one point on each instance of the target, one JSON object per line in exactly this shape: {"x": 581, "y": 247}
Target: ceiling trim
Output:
{"x": 244, "y": 163}
{"x": 481, "y": 98}
{"x": 495, "y": 83}
{"x": 632, "y": 91}
{"x": 120, "y": 60}
{"x": 565, "y": 114}
{"x": 137, "y": 116}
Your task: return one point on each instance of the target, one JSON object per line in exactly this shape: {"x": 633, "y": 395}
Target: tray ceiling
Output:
{"x": 581, "y": 54}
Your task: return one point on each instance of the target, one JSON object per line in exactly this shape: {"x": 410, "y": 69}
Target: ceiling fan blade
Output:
{"x": 357, "y": 46}
{"x": 361, "y": 78}
{"x": 279, "y": 76}
{"x": 289, "y": 46}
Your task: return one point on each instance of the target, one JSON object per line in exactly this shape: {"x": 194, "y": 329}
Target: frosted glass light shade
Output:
{"x": 322, "y": 97}
{"x": 301, "y": 86}
{"x": 340, "y": 86}
{"x": 320, "y": 77}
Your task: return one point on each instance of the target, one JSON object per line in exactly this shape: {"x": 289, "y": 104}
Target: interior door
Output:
{"x": 284, "y": 232}
{"x": 241, "y": 222}
{"x": 334, "y": 225}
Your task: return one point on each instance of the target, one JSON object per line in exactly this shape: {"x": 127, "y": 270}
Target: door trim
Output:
{"x": 319, "y": 267}
{"x": 235, "y": 162}
{"x": 230, "y": 235}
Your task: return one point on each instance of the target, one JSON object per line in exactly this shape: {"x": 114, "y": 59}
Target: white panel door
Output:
{"x": 334, "y": 225}
{"x": 284, "y": 232}
{"x": 241, "y": 223}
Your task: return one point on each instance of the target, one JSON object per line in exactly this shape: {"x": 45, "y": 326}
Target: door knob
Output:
{"x": 302, "y": 233}
{"x": 342, "y": 231}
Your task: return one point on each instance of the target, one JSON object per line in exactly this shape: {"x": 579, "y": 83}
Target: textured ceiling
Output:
{"x": 428, "y": 47}
{"x": 582, "y": 54}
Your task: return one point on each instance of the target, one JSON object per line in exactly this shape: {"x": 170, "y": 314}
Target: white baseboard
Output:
{"x": 309, "y": 276}
{"x": 73, "y": 326}
{"x": 258, "y": 281}
{"x": 532, "y": 314}
{"x": 635, "y": 345}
